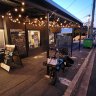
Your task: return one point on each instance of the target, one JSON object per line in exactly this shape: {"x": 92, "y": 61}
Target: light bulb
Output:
{"x": 17, "y": 19}
{"x": 2, "y": 16}
{"x": 9, "y": 14}
{"x": 45, "y": 17}
{"x": 61, "y": 24}
{"x": 40, "y": 18}
{"x": 58, "y": 19}
{"x": 24, "y": 23}
{"x": 22, "y": 10}
{"x": 20, "y": 15}
{"x": 16, "y": 9}
{"x": 23, "y": 3}
{"x": 19, "y": 22}
{"x": 65, "y": 21}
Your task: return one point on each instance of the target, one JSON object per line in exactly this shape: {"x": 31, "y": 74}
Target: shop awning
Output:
{"x": 52, "y": 6}
{"x": 64, "y": 10}
{"x": 38, "y": 8}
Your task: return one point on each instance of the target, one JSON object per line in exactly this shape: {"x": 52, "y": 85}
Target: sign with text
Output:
{"x": 66, "y": 30}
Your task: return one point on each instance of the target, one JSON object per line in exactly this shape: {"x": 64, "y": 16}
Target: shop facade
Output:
{"x": 34, "y": 34}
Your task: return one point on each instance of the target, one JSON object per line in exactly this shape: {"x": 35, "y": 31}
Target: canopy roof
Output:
{"x": 50, "y": 5}
{"x": 38, "y": 8}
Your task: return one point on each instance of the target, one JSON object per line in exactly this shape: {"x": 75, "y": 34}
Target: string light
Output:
{"x": 9, "y": 14}
{"x": 22, "y": 10}
{"x": 23, "y": 3}
{"x": 45, "y": 17}
{"x": 61, "y": 24}
{"x": 19, "y": 22}
{"x": 58, "y": 19}
{"x": 39, "y": 25}
{"x": 65, "y": 21}
{"x": 10, "y": 17}
{"x": 35, "y": 21}
{"x": 41, "y": 22}
{"x": 2, "y": 16}
{"x": 20, "y": 15}
{"x": 16, "y": 9}
{"x": 14, "y": 21}
{"x": 17, "y": 19}
{"x": 41, "y": 18}
{"x": 24, "y": 23}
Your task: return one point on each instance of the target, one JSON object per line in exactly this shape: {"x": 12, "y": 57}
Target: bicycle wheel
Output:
{"x": 53, "y": 76}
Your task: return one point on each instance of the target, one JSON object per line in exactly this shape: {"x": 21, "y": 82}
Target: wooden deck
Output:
{"x": 26, "y": 81}
{"x": 30, "y": 80}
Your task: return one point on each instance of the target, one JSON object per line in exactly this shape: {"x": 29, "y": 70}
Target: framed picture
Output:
{"x": 18, "y": 38}
{"x": 34, "y": 38}
{"x": 2, "y": 39}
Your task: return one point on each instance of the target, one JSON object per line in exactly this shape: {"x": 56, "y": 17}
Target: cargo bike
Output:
{"x": 56, "y": 63}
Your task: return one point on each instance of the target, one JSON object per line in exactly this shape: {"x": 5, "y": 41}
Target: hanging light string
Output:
{"x": 54, "y": 21}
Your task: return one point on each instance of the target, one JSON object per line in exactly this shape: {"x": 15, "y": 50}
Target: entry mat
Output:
{"x": 64, "y": 81}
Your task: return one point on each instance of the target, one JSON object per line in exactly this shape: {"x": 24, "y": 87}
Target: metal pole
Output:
{"x": 80, "y": 38}
{"x": 5, "y": 30}
{"x": 92, "y": 21}
{"x": 72, "y": 41}
{"x": 26, "y": 37}
{"x": 47, "y": 34}
{"x": 88, "y": 26}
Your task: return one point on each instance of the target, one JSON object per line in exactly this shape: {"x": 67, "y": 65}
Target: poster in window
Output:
{"x": 2, "y": 39}
{"x": 18, "y": 38}
{"x": 34, "y": 38}
{"x": 51, "y": 38}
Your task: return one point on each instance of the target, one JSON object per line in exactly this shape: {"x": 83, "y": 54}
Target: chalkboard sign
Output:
{"x": 11, "y": 58}
{"x": 18, "y": 39}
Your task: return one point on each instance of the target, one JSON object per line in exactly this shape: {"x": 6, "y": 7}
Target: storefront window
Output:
{"x": 34, "y": 38}
{"x": 18, "y": 38}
